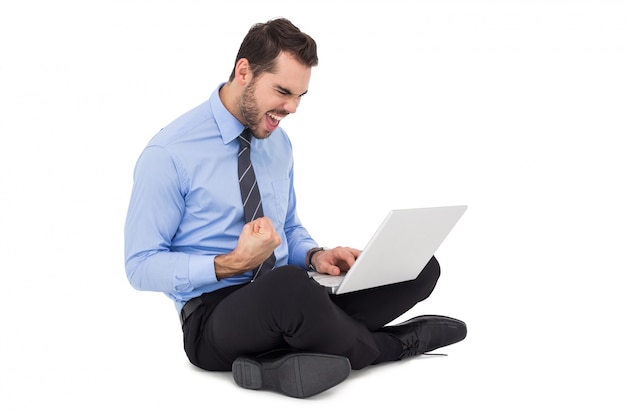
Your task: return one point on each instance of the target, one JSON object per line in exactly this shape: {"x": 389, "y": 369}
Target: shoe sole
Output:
{"x": 298, "y": 375}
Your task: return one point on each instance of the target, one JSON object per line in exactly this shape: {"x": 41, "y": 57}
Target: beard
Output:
{"x": 250, "y": 112}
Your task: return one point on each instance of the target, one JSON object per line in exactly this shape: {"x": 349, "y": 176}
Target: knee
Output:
{"x": 287, "y": 279}
{"x": 432, "y": 268}
{"x": 293, "y": 285}
{"x": 288, "y": 275}
{"x": 427, "y": 279}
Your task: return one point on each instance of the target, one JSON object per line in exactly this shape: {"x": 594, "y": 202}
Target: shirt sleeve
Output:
{"x": 298, "y": 238}
{"x": 155, "y": 211}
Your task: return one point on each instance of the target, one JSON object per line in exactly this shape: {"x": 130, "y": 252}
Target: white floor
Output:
{"x": 515, "y": 108}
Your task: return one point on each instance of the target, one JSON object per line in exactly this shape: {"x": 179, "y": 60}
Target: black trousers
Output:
{"x": 286, "y": 309}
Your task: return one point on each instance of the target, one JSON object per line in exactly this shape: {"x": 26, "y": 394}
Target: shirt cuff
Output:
{"x": 202, "y": 270}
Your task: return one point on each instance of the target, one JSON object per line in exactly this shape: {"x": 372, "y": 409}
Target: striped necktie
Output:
{"x": 250, "y": 195}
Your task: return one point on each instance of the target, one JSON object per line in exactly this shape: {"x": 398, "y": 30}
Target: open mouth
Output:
{"x": 273, "y": 119}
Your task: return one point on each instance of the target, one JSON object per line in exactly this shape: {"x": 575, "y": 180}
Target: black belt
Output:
{"x": 189, "y": 307}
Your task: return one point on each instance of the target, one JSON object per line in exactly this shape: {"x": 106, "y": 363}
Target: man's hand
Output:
{"x": 335, "y": 261}
{"x": 256, "y": 243}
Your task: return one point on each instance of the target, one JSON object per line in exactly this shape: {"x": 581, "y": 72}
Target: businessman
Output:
{"x": 212, "y": 223}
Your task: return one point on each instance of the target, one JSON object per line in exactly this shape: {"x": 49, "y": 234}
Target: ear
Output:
{"x": 243, "y": 73}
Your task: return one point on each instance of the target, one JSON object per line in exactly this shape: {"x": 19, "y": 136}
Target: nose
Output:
{"x": 292, "y": 104}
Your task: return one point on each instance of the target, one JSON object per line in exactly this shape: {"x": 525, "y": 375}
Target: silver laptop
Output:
{"x": 398, "y": 251}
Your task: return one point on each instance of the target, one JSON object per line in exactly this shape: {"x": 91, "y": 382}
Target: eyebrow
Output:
{"x": 288, "y": 92}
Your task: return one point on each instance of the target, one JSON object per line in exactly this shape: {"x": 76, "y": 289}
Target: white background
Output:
{"x": 515, "y": 108}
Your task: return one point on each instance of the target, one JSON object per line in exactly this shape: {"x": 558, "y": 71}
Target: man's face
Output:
{"x": 270, "y": 97}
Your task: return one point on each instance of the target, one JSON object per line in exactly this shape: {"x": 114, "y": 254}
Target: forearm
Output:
{"x": 299, "y": 241}
{"x": 169, "y": 272}
{"x": 228, "y": 265}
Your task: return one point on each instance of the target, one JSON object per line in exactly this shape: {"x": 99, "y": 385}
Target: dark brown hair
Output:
{"x": 265, "y": 41}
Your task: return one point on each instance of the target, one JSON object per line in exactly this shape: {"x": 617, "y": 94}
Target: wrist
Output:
{"x": 227, "y": 265}
{"x": 310, "y": 255}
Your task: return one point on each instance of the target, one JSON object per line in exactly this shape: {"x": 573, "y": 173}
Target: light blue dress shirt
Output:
{"x": 185, "y": 207}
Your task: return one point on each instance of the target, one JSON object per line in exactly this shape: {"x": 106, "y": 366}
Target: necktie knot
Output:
{"x": 245, "y": 138}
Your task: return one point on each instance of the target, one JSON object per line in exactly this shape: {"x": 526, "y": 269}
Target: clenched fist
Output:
{"x": 256, "y": 243}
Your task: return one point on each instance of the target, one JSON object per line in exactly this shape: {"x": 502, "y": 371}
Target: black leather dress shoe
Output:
{"x": 296, "y": 374}
{"x": 426, "y": 333}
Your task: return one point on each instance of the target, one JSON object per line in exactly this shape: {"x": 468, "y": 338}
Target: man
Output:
{"x": 213, "y": 210}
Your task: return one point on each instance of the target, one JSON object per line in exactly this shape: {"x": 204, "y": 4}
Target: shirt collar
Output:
{"x": 230, "y": 128}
